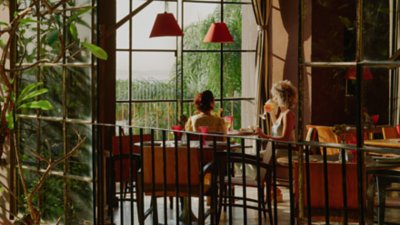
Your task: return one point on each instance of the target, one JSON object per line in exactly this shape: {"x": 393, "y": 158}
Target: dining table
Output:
{"x": 385, "y": 143}
{"x": 208, "y": 148}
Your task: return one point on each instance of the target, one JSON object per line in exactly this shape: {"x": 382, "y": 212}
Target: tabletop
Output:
{"x": 386, "y": 143}
{"x": 193, "y": 144}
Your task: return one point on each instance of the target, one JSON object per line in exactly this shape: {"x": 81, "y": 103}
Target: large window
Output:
{"x": 157, "y": 78}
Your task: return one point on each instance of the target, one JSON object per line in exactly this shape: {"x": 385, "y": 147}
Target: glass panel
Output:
{"x": 201, "y": 71}
{"x": 334, "y": 36}
{"x": 80, "y": 162}
{"x": 232, "y": 74}
{"x": 238, "y": 24}
{"x": 52, "y": 199}
{"x": 154, "y": 66}
{"x": 79, "y": 95}
{"x": 249, "y": 29}
{"x": 197, "y": 20}
{"x": 122, "y": 113}
{"x": 233, "y": 108}
{"x": 80, "y": 201}
{"x": 122, "y": 7}
{"x": 123, "y": 37}
{"x": 376, "y": 29}
{"x": 52, "y": 79}
{"x": 52, "y": 143}
{"x": 143, "y": 24}
{"x": 145, "y": 68}
{"x": 376, "y": 93}
{"x": 334, "y": 96}
{"x": 29, "y": 130}
{"x": 154, "y": 114}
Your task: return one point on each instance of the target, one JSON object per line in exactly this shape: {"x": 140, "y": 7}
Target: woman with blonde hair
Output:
{"x": 283, "y": 118}
{"x": 280, "y": 109}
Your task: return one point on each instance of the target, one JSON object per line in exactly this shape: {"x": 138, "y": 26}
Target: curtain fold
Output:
{"x": 262, "y": 11}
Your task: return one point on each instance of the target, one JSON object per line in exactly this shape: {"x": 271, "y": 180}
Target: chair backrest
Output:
{"x": 164, "y": 175}
{"x": 326, "y": 135}
{"x": 121, "y": 153}
{"x": 389, "y": 132}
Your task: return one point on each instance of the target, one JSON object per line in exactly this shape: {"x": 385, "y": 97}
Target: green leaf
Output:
{"x": 41, "y": 104}
{"x": 10, "y": 121}
{"x": 31, "y": 94}
{"x": 79, "y": 13}
{"x": 73, "y": 30}
{"x": 52, "y": 37}
{"x": 28, "y": 89}
{"x": 3, "y": 23}
{"x": 96, "y": 50}
{"x": 27, "y": 20}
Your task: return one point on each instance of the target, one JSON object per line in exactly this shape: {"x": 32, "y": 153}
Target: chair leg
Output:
{"x": 171, "y": 202}
{"x": 263, "y": 204}
{"x": 381, "y": 183}
{"x": 154, "y": 211}
{"x": 140, "y": 204}
{"x": 269, "y": 204}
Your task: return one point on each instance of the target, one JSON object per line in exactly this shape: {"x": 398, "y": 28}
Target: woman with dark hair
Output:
{"x": 205, "y": 103}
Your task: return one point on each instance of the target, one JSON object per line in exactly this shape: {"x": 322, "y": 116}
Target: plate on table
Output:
{"x": 148, "y": 143}
{"x": 246, "y": 131}
{"x": 387, "y": 158}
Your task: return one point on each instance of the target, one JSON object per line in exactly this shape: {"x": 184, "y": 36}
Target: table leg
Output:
{"x": 187, "y": 214}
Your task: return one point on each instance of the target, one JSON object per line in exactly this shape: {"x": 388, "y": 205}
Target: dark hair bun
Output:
{"x": 203, "y": 101}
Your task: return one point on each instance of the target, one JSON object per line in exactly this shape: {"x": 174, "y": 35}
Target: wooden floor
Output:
{"x": 392, "y": 215}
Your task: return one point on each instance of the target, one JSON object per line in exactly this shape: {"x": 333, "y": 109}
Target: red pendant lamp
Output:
{"x": 165, "y": 25}
{"x": 351, "y": 74}
{"x": 218, "y": 33}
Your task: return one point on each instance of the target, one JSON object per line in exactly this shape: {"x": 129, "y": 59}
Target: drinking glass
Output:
{"x": 228, "y": 122}
{"x": 203, "y": 130}
{"x": 178, "y": 129}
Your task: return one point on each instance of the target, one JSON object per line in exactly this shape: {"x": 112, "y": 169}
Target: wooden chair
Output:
{"x": 389, "y": 132}
{"x": 326, "y": 135}
{"x": 163, "y": 174}
{"x": 227, "y": 195}
{"x": 124, "y": 155}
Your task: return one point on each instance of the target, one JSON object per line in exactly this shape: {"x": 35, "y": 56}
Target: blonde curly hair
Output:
{"x": 284, "y": 94}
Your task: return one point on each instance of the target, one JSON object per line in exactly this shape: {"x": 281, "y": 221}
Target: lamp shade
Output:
{"x": 218, "y": 33}
{"x": 165, "y": 25}
{"x": 351, "y": 74}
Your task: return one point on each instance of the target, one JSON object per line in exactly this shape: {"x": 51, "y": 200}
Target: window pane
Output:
{"x": 155, "y": 66}
{"x": 201, "y": 71}
{"x": 52, "y": 79}
{"x": 232, "y": 74}
{"x": 154, "y": 114}
{"x": 376, "y": 29}
{"x": 333, "y": 33}
{"x": 142, "y": 24}
{"x": 241, "y": 22}
{"x": 197, "y": 20}
{"x": 79, "y": 96}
